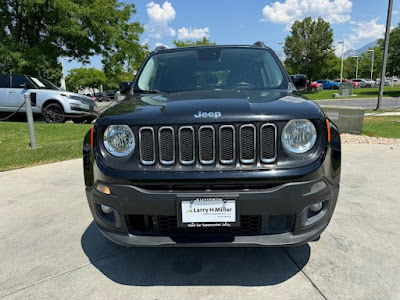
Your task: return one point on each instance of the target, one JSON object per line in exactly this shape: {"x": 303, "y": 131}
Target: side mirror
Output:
{"x": 124, "y": 87}
{"x": 299, "y": 81}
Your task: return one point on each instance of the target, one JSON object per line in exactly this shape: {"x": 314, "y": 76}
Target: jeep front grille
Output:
{"x": 227, "y": 144}
{"x": 268, "y": 143}
{"x": 186, "y": 145}
{"x": 208, "y": 144}
{"x": 166, "y": 143}
{"x": 147, "y": 146}
{"x": 248, "y": 144}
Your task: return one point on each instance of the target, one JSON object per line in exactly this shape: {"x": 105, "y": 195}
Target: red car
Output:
{"x": 347, "y": 81}
{"x": 314, "y": 86}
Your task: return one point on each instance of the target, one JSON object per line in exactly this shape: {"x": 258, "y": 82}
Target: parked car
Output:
{"x": 328, "y": 84}
{"x": 363, "y": 83}
{"x": 345, "y": 81}
{"x": 315, "y": 86}
{"x": 55, "y": 105}
{"x": 100, "y": 97}
{"x": 187, "y": 159}
{"x": 378, "y": 81}
{"x": 111, "y": 95}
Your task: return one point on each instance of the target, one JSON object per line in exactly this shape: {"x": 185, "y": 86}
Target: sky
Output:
{"x": 357, "y": 22}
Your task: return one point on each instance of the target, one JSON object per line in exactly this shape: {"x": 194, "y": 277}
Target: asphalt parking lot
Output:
{"x": 366, "y": 103}
{"x": 51, "y": 249}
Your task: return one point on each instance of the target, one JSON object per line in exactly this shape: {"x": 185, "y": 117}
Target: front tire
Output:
{"x": 54, "y": 113}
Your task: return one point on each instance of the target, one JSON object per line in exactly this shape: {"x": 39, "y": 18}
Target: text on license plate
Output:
{"x": 208, "y": 210}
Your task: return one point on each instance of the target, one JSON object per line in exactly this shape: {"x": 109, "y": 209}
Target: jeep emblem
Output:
{"x": 210, "y": 114}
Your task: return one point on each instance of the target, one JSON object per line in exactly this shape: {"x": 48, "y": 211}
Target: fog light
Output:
{"x": 316, "y": 207}
{"x": 106, "y": 209}
{"x": 103, "y": 189}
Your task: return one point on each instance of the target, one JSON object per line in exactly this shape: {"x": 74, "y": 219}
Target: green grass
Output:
{"x": 359, "y": 93}
{"x": 55, "y": 142}
{"x": 382, "y": 126}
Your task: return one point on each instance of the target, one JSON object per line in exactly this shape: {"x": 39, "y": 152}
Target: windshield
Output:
{"x": 43, "y": 83}
{"x": 212, "y": 69}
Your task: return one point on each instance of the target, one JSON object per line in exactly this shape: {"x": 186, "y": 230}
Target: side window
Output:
{"x": 17, "y": 80}
{"x": 4, "y": 81}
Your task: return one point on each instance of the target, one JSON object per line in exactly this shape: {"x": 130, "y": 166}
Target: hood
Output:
{"x": 202, "y": 107}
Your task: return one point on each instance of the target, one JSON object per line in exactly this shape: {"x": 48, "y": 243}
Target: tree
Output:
{"x": 190, "y": 43}
{"x": 92, "y": 78}
{"x": 332, "y": 69}
{"x": 393, "y": 62}
{"x": 364, "y": 68}
{"x": 309, "y": 48}
{"x": 35, "y": 33}
{"x": 85, "y": 78}
{"x": 113, "y": 81}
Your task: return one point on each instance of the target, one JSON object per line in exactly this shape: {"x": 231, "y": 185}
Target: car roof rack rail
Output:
{"x": 161, "y": 47}
{"x": 259, "y": 44}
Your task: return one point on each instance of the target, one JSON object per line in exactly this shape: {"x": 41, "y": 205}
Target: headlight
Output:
{"x": 299, "y": 136}
{"x": 73, "y": 97}
{"x": 119, "y": 140}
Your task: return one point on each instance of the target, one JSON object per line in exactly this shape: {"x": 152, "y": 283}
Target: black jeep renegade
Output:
{"x": 212, "y": 146}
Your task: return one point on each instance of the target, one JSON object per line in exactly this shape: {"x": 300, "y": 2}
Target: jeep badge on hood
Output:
{"x": 210, "y": 114}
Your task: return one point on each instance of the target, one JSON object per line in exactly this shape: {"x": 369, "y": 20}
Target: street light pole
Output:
{"x": 63, "y": 83}
{"x": 385, "y": 54}
{"x": 356, "y": 66}
{"x": 341, "y": 68}
{"x": 283, "y": 51}
{"x": 372, "y": 63}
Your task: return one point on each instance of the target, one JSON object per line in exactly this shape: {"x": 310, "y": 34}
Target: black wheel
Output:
{"x": 53, "y": 113}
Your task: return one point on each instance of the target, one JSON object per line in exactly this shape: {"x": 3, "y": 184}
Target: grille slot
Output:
{"x": 207, "y": 145}
{"x": 268, "y": 143}
{"x": 186, "y": 145}
{"x": 227, "y": 144}
{"x": 147, "y": 146}
{"x": 247, "y": 136}
{"x": 166, "y": 142}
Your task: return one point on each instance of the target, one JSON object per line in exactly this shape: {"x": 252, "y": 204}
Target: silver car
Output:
{"x": 363, "y": 83}
{"x": 55, "y": 105}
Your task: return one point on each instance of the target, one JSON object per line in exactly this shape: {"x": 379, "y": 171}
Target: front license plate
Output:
{"x": 208, "y": 210}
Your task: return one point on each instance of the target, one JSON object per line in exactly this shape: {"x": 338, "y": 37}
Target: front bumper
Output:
{"x": 288, "y": 202}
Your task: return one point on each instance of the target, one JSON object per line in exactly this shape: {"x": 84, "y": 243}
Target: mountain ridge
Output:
{"x": 360, "y": 51}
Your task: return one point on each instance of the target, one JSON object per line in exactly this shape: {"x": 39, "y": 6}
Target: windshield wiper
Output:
{"x": 147, "y": 91}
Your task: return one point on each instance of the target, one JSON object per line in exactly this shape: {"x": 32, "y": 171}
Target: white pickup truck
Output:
{"x": 55, "y": 105}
